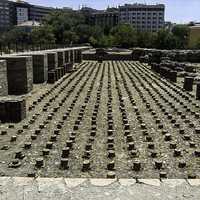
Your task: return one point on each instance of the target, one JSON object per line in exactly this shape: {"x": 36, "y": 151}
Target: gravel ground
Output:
{"x": 105, "y": 120}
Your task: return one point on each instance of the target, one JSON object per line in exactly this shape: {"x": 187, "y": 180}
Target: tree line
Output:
{"x": 70, "y": 27}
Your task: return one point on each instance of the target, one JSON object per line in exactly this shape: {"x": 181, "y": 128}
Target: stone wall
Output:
{"x": 109, "y": 56}
{"x": 155, "y": 55}
{"x": 3, "y": 78}
{"x": 19, "y": 74}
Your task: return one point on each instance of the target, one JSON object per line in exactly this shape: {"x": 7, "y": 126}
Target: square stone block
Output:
{"x": 19, "y": 74}
{"x": 3, "y": 78}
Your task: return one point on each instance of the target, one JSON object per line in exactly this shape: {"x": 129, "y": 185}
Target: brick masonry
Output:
{"x": 19, "y": 73}
{"x": 3, "y": 78}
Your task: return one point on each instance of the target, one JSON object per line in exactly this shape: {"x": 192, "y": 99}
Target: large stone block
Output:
{"x": 137, "y": 53}
{"x": 19, "y": 73}
{"x": 59, "y": 73}
{"x": 52, "y": 59}
{"x": 13, "y": 109}
{"x": 194, "y": 56}
{"x": 72, "y": 56}
{"x": 40, "y": 66}
{"x": 188, "y": 83}
{"x": 52, "y": 76}
{"x": 78, "y": 56}
{"x": 61, "y": 58}
{"x": 3, "y": 115}
{"x": 155, "y": 56}
{"x": 67, "y": 56}
{"x": 198, "y": 91}
{"x": 3, "y": 78}
{"x": 69, "y": 67}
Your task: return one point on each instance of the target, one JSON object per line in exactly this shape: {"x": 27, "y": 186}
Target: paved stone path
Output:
{"x": 98, "y": 189}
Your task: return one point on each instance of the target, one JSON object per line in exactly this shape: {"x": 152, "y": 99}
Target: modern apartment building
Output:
{"x": 105, "y": 18}
{"x": 143, "y": 17}
{"x": 20, "y": 13}
{"x": 5, "y": 15}
{"x": 14, "y": 13}
{"x": 88, "y": 13}
{"x": 37, "y": 13}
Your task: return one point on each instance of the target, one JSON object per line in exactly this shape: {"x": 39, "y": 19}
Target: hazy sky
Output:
{"x": 176, "y": 10}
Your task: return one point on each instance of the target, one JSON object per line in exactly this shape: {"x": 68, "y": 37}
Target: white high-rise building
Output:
{"x": 22, "y": 14}
{"x": 143, "y": 17}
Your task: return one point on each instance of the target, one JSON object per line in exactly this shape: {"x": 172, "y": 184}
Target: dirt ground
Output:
{"x": 110, "y": 119}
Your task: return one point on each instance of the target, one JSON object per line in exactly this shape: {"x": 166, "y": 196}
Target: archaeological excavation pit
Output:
{"x": 114, "y": 119}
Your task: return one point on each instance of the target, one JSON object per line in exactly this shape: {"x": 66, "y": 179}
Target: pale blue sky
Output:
{"x": 179, "y": 11}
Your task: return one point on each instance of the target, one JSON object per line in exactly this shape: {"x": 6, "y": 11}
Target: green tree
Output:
{"x": 181, "y": 32}
{"x": 17, "y": 35}
{"x": 62, "y": 21}
{"x": 84, "y": 32}
{"x": 70, "y": 37}
{"x": 97, "y": 32}
{"x": 93, "y": 41}
{"x": 96, "y": 36}
{"x": 124, "y": 35}
{"x": 106, "y": 41}
{"x": 43, "y": 35}
{"x": 165, "y": 40}
{"x": 145, "y": 39}
{"x": 197, "y": 46}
